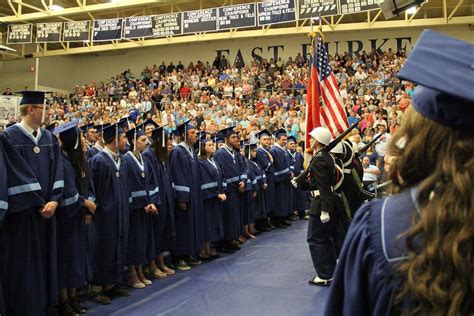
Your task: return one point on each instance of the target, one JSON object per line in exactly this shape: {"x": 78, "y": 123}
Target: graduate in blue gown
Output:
{"x": 411, "y": 253}
{"x": 3, "y": 210}
{"x": 299, "y": 197}
{"x": 213, "y": 196}
{"x": 73, "y": 215}
{"x": 259, "y": 179}
{"x": 229, "y": 161}
{"x": 188, "y": 213}
{"x": 145, "y": 202}
{"x": 98, "y": 146}
{"x": 28, "y": 260}
{"x": 111, "y": 220}
{"x": 163, "y": 224}
{"x": 255, "y": 183}
{"x": 265, "y": 162}
{"x": 282, "y": 176}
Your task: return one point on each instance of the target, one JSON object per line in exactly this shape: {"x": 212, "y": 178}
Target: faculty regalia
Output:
{"x": 229, "y": 162}
{"x": 74, "y": 260}
{"x": 211, "y": 186}
{"x": 111, "y": 220}
{"x": 143, "y": 191}
{"x": 27, "y": 241}
{"x": 163, "y": 225}
{"x": 265, "y": 163}
{"x": 281, "y": 175}
{"x": 190, "y": 222}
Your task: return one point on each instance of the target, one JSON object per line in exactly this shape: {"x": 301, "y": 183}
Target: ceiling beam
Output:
{"x": 256, "y": 33}
{"x": 19, "y": 17}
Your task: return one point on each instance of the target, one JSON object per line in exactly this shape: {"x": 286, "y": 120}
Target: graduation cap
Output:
{"x": 291, "y": 138}
{"x": 442, "y": 67}
{"x": 227, "y": 132}
{"x": 34, "y": 98}
{"x": 112, "y": 131}
{"x": 69, "y": 133}
{"x": 184, "y": 128}
{"x": 87, "y": 127}
{"x": 51, "y": 127}
{"x": 146, "y": 123}
{"x": 100, "y": 127}
{"x": 249, "y": 146}
{"x": 263, "y": 132}
{"x": 124, "y": 123}
{"x": 279, "y": 132}
{"x": 202, "y": 139}
{"x": 159, "y": 132}
{"x": 133, "y": 134}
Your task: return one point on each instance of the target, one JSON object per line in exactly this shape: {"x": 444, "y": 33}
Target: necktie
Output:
{"x": 35, "y": 133}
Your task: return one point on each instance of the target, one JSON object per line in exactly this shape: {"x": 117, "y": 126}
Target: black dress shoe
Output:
{"x": 64, "y": 309}
{"x": 101, "y": 299}
{"x": 119, "y": 291}
{"x": 74, "y": 302}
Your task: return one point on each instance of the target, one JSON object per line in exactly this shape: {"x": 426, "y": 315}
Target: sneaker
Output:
{"x": 183, "y": 266}
{"x": 194, "y": 261}
{"x": 74, "y": 302}
{"x": 318, "y": 281}
{"x": 167, "y": 270}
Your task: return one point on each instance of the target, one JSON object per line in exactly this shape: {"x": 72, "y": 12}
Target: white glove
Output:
{"x": 324, "y": 217}
{"x": 293, "y": 183}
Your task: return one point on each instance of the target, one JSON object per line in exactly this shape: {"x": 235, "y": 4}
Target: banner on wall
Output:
{"x": 138, "y": 26}
{"x": 107, "y": 30}
{"x": 200, "y": 21}
{"x": 314, "y": 8}
{"x": 237, "y": 16}
{"x": 20, "y": 33}
{"x": 8, "y": 108}
{"x": 167, "y": 24}
{"x": 48, "y": 32}
{"x": 354, "y": 6}
{"x": 79, "y": 31}
{"x": 276, "y": 12}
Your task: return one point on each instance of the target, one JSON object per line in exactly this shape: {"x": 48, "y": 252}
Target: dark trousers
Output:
{"x": 321, "y": 246}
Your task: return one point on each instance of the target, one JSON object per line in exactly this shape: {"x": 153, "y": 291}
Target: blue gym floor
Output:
{"x": 269, "y": 276}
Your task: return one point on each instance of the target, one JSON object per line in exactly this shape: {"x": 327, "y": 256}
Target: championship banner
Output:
{"x": 79, "y": 31}
{"x": 314, "y": 8}
{"x": 167, "y": 24}
{"x": 138, "y": 26}
{"x": 20, "y": 33}
{"x": 107, "y": 30}
{"x": 354, "y": 6}
{"x": 237, "y": 16}
{"x": 200, "y": 21}
{"x": 275, "y": 12}
{"x": 48, "y": 32}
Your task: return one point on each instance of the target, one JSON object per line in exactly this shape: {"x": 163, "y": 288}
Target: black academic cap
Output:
{"x": 51, "y": 127}
{"x": 186, "y": 126}
{"x": 10, "y": 124}
{"x": 228, "y": 131}
{"x": 110, "y": 132}
{"x": 69, "y": 133}
{"x": 279, "y": 132}
{"x": 291, "y": 138}
{"x": 133, "y": 134}
{"x": 87, "y": 127}
{"x": 100, "y": 127}
{"x": 32, "y": 97}
{"x": 263, "y": 132}
{"x": 443, "y": 67}
{"x": 124, "y": 123}
{"x": 159, "y": 133}
{"x": 146, "y": 123}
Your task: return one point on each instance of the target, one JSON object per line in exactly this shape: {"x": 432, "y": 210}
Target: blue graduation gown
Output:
{"x": 281, "y": 173}
{"x": 92, "y": 151}
{"x": 111, "y": 220}
{"x": 211, "y": 186}
{"x": 190, "y": 222}
{"x": 251, "y": 187}
{"x": 74, "y": 261}
{"x": 300, "y": 197}
{"x": 259, "y": 180}
{"x": 3, "y": 210}
{"x": 163, "y": 224}
{"x": 27, "y": 241}
{"x": 143, "y": 191}
{"x": 365, "y": 281}
{"x": 264, "y": 162}
{"x": 229, "y": 163}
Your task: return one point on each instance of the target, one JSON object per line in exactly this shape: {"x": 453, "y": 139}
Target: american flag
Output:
{"x": 324, "y": 102}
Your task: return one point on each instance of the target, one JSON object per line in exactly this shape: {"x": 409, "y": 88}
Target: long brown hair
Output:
{"x": 161, "y": 151}
{"x": 438, "y": 278}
